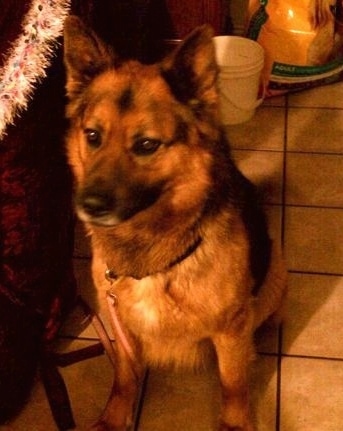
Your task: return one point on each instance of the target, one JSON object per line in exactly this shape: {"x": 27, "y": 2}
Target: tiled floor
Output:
{"x": 293, "y": 150}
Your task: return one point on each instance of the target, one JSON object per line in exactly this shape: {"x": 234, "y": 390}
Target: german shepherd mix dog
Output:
{"x": 171, "y": 219}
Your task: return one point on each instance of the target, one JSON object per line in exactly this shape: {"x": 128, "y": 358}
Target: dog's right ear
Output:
{"x": 85, "y": 55}
{"x": 191, "y": 70}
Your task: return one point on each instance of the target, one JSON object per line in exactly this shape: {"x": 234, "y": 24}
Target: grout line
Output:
{"x": 298, "y": 356}
{"x": 281, "y": 105}
{"x": 326, "y": 274}
{"x": 278, "y": 380}
{"x": 283, "y": 221}
{"x": 256, "y": 150}
{"x": 314, "y": 153}
{"x": 312, "y": 357}
{"x": 302, "y": 152}
{"x": 323, "y": 207}
{"x": 314, "y": 107}
{"x": 317, "y": 207}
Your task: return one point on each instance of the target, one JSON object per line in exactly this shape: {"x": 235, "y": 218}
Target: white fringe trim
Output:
{"x": 29, "y": 57}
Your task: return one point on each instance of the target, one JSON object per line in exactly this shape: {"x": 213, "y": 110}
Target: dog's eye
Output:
{"x": 93, "y": 137}
{"x": 146, "y": 146}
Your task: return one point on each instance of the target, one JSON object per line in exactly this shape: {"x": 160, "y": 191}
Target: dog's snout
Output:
{"x": 96, "y": 204}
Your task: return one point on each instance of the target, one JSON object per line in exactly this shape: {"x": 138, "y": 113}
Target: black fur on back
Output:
{"x": 233, "y": 188}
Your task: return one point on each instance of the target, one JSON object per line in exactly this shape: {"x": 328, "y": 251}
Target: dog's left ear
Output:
{"x": 85, "y": 55}
{"x": 191, "y": 70}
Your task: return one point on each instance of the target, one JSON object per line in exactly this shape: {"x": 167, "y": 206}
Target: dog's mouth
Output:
{"x": 104, "y": 220}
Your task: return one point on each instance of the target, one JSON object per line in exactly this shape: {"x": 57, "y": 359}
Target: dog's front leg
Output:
{"x": 117, "y": 415}
{"x": 234, "y": 351}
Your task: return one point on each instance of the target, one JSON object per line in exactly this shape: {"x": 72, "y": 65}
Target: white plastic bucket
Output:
{"x": 240, "y": 62}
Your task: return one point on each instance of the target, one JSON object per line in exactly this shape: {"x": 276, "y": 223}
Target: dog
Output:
{"x": 174, "y": 225}
{"x": 327, "y": 41}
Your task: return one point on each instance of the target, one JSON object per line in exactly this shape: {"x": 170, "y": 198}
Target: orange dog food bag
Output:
{"x": 302, "y": 41}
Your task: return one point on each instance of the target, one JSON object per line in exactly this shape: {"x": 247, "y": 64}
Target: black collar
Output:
{"x": 190, "y": 250}
{"x": 111, "y": 275}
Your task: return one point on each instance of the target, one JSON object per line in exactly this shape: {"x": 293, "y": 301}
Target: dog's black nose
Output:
{"x": 96, "y": 204}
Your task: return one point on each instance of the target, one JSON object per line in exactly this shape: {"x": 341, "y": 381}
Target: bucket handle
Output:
{"x": 253, "y": 105}
{"x": 250, "y": 107}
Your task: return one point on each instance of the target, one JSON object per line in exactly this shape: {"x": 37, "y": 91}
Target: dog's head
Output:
{"x": 139, "y": 134}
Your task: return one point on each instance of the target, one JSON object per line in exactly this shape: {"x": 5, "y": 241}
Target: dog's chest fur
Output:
{"x": 173, "y": 313}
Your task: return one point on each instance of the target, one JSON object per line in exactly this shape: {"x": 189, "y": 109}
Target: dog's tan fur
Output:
{"x": 324, "y": 46}
{"x": 173, "y": 221}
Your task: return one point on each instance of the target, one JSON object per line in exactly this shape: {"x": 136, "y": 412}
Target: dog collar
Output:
{"x": 111, "y": 275}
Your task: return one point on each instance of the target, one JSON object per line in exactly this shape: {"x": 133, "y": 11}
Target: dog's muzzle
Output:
{"x": 108, "y": 207}
{"x": 97, "y": 208}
